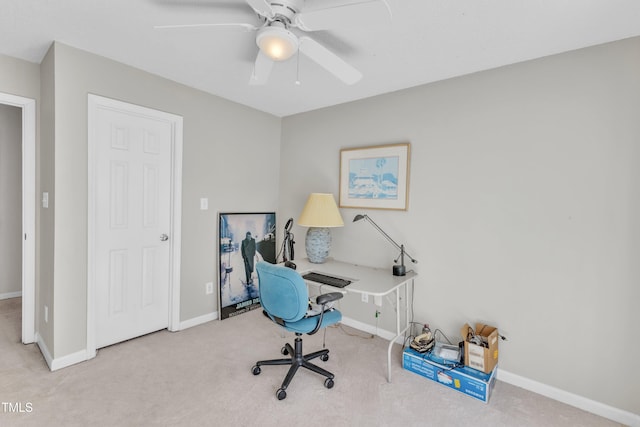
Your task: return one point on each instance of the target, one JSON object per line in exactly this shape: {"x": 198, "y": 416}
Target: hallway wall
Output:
{"x": 10, "y": 201}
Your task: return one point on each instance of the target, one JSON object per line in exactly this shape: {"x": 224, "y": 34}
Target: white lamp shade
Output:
{"x": 319, "y": 214}
{"x": 320, "y": 211}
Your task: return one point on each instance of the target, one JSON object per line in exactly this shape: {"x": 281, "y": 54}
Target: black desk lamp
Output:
{"x": 398, "y": 270}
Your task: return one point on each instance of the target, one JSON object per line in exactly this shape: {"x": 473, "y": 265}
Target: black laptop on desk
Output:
{"x": 326, "y": 279}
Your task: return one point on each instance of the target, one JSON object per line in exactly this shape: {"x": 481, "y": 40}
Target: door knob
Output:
{"x": 164, "y": 237}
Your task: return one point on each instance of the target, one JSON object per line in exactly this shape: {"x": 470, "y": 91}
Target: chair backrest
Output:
{"x": 283, "y": 292}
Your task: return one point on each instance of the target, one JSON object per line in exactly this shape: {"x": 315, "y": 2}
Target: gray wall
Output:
{"x": 10, "y": 199}
{"x": 230, "y": 155}
{"x": 524, "y": 209}
{"x": 18, "y": 77}
{"x": 46, "y": 223}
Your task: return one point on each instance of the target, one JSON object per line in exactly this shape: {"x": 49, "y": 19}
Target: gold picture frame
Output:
{"x": 375, "y": 177}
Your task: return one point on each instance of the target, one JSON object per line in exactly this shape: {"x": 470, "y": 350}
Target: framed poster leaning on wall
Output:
{"x": 243, "y": 240}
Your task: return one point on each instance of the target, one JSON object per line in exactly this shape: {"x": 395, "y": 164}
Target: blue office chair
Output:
{"x": 285, "y": 300}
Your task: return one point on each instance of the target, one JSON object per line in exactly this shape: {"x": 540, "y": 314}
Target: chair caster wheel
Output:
{"x": 324, "y": 357}
{"x": 284, "y": 351}
{"x": 256, "y": 370}
{"x": 328, "y": 383}
{"x": 281, "y": 394}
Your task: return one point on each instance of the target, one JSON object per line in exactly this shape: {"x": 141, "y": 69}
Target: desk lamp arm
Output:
{"x": 401, "y": 270}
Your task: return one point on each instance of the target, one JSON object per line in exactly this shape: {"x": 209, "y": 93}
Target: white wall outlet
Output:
{"x": 204, "y": 204}
{"x": 209, "y": 287}
{"x": 45, "y": 200}
{"x": 365, "y": 297}
{"x": 46, "y": 314}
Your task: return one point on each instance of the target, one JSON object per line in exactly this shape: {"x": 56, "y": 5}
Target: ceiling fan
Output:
{"x": 277, "y": 42}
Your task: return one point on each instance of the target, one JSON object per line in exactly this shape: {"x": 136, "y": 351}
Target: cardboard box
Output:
{"x": 481, "y": 357}
{"x": 468, "y": 381}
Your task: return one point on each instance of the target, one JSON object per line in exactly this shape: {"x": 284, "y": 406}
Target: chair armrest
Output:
{"x": 323, "y": 300}
{"x": 329, "y": 297}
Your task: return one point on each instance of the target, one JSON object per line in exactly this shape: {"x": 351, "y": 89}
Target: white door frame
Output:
{"x": 28, "y": 107}
{"x": 95, "y": 103}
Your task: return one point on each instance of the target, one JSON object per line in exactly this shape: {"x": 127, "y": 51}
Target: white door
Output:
{"x": 132, "y": 157}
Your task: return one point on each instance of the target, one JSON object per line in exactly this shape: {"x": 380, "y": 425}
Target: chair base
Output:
{"x": 296, "y": 361}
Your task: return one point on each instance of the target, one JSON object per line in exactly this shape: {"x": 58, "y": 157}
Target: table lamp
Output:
{"x": 398, "y": 270}
{"x": 319, "y": 214}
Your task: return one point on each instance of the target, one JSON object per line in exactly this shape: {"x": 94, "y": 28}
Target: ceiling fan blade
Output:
{"x": 230, "y": 5}
{"x": 261, "y": 69}
{"x": 262, "y": 7}
{"x": 330, "y": 61}
{"x": 247, "y": 27}
{"x": 342, "y": 16}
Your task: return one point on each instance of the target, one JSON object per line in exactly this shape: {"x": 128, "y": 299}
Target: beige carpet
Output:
{"x": 202, "y": 377}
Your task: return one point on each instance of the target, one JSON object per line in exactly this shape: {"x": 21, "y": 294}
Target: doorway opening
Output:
{"x": 27, "y": 152}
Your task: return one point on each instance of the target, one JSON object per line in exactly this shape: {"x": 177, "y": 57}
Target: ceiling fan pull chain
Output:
{"x": 298, "y": 69}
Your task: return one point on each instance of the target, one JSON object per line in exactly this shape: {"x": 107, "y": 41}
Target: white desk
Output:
{"x": 376, "y": 282}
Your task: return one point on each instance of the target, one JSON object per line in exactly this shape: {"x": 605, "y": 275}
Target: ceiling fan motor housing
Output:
{"x": 285, "y": 10}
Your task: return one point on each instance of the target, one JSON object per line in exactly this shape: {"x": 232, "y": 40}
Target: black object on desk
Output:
{"x": 327, "y": 280}
{"x": 398, "y": 270}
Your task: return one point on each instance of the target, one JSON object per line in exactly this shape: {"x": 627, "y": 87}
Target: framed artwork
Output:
{"x": 243, "y": 240}
{"x": 375, "y": 177}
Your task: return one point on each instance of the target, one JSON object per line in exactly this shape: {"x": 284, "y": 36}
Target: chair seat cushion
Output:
{"x": 308, "y": 324}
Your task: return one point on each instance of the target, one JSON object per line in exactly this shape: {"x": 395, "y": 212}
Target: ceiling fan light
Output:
{"x": 277, "y": 43}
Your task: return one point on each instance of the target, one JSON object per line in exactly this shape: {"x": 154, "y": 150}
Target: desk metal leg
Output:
{"x": 407, "y": 324}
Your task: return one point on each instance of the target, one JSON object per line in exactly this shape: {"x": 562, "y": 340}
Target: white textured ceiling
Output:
{"x": 423, "y": 41}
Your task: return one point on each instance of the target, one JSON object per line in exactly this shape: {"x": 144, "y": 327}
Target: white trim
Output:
{"x": 29, "y": 222}
{"x": 68, "y": 360}
{"x": 9, "y": 295}
{"x": 93, "y": 103}
{"x": 198, "y": 320}
{"x": 28, "y": 212}
{"x": 44, "y": 350}
{"x": 176, "y": 224}
{"x": 575, "y": 400}
{"x": 61, "y": 362}
{"x": 91, "y": 212}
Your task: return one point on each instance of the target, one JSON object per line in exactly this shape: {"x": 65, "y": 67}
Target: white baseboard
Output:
{"x": 68, "y": 360}
{"x": 61, "y": 362}
{"x": 8, "y": 295}
{"x": 606, "y": 411}
{"x": 198, "y": 320}
{"x": 44, "y": 350}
